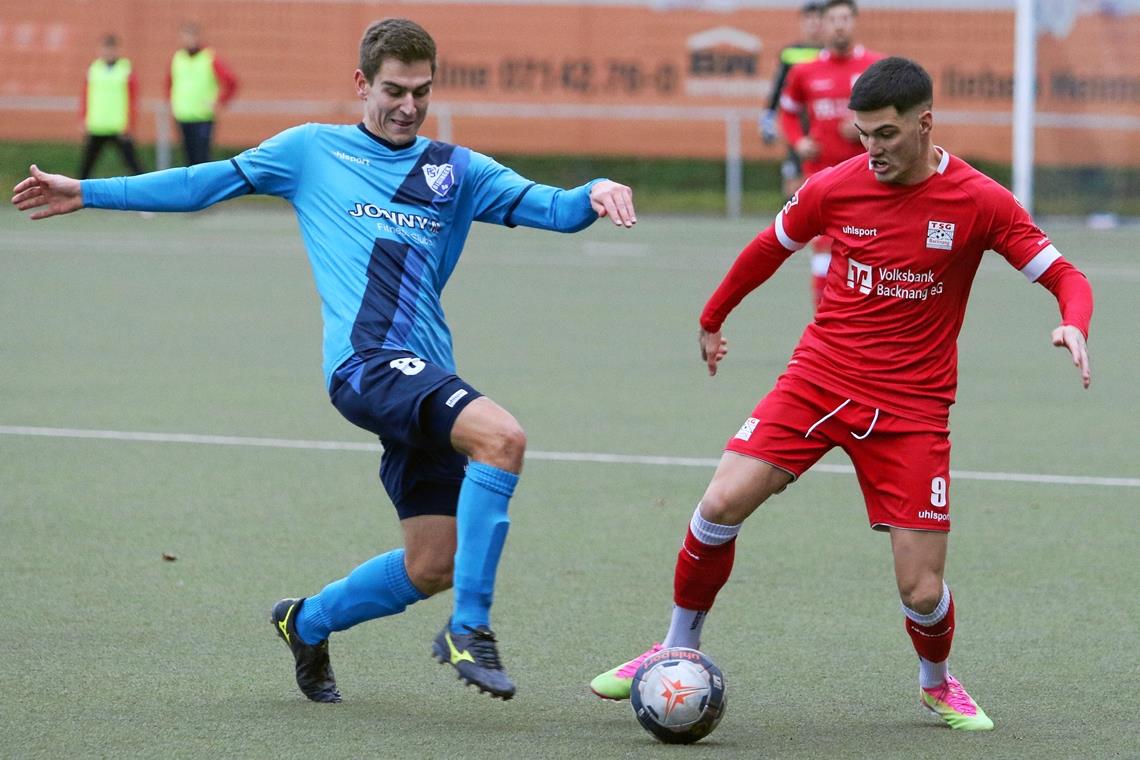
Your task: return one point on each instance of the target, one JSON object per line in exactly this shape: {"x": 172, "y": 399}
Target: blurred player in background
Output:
{"x": 384, "y": 214}
{"x": 807, "y": 49}
{"x": 109, "y": 107}
{"x": 876, "y": 372}
{"x": 819, "y": 90}
{"x": 198, "y": 84}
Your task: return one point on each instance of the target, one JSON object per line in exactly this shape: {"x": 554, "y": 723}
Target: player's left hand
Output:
{"x": 615, "y": 201}
{"x": 1073, "y": 339}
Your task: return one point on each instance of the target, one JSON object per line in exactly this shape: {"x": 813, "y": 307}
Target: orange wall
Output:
{"x": 296, "y": 59}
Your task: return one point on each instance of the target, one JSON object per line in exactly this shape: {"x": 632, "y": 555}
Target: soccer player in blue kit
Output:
{"x": 384, "y": 214}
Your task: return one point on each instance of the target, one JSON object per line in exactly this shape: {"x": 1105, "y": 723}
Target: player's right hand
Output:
{"x": 713, "y": 349}
{"x": 53, "y": 194}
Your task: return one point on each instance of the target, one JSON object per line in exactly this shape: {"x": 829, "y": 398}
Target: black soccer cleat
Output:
{"x": 476, "y": 658}
{"x": 314, "y": 671}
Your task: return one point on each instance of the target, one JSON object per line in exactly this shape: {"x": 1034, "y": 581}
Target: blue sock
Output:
{"x": 377, "y": 588}
{"x": 481, "y": 526}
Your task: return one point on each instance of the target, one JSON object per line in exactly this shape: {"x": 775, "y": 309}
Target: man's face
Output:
{"x": 190, "y": 39}
{"x": 109, "y": 53}
{"x": 839, "y": 28}
{"x": 396, "y": 100}
{"x": 896, "y": 143}
{"x": 811, "y": 27}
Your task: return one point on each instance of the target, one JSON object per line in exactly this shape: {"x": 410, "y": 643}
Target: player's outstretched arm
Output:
{"x": 52, "y": 194}
{"x": 1073, "y": 339}
{"x": 614, "y": 200}
{"x": 713, "y": 349}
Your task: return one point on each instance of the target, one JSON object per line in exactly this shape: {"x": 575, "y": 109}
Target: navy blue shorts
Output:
{"x": 411, "y": 404}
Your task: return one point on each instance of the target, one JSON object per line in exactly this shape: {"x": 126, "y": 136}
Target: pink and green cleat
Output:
{"x": 615, "y": 683}
{"x": 958, "y": 709}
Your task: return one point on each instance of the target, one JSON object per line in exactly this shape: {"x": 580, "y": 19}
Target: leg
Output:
{"x": 423, "y": 482}
{"x": 127, "y": 150}
{"x": 495, "y": 443}
{"x": 202, "y": 133}
{"x": 92, "y": 147}
{"x": 187, "y": 130}
{"x": 920, "y": 557}
{"x": 704, "y": 563}
{"x": 782, "y": 439}
{"x": 196, "y": 141}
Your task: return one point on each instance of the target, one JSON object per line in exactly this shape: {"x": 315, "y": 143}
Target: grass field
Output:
{"x": 208, "y": 325}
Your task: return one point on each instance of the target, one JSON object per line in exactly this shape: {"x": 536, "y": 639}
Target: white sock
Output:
{"x": 710, "y": 533}
{"x": 931, "y": 674}
{"x": 685, "y": 628}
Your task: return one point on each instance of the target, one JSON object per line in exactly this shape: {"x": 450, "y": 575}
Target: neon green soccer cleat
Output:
{"x": 615, "y": 683}
{"x": 951, "y": 703}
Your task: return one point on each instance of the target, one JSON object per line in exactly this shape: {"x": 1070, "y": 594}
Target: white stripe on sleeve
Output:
{"x": 787, "y": 242}
{"x": 1039, "y": 263}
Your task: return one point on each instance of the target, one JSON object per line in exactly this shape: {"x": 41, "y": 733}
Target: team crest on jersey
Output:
{"x": 439, "y": 178}
{"x": 940, "y": 235}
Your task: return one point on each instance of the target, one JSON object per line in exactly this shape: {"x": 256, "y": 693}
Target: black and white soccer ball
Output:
{"x": 678, "y": 695}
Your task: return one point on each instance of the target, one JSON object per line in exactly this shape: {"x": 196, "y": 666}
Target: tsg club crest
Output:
{"x": 439, "y": 178}
{"x": 940, "y": 235}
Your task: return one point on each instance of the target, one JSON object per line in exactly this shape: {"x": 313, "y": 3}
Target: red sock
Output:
{"x": 932, "y": 642}
{"x": 702, "y": 570}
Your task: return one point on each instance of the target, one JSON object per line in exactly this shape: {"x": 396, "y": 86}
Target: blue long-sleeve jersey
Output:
{"x": 384, "y": 225}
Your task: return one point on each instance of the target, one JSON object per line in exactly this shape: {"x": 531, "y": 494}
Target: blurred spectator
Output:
{"x": 819, "y": 90}
{"x": 197, "y": 84}
{"x": 109, "y": 107}
{"x": 807, "y": 49}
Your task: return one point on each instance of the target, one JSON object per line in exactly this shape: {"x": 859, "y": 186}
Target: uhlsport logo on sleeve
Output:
{"x": 439, "y": 178}
{"x": 940, "y": 235}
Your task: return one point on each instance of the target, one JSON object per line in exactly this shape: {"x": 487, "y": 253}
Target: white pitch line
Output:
{"x": 551, "y": 456}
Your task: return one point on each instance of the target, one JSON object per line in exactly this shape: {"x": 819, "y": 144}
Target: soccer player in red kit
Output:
{"x": 819, "y": 89}
{"x": 875, "y": 373}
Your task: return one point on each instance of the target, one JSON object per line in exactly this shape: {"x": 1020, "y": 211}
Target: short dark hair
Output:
{"x": 110, "y": 40}
{"x": 894, "y": 81}
{"x": 836, "y": 3}
{"x": 812, "y": 8}
{"x": 398, "y": 38}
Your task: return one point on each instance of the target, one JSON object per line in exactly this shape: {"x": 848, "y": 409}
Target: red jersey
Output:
{"x": 822, "y": 87}
{"x": 903, "y": 259}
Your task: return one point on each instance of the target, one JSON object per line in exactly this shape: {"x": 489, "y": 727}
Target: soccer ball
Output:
{"x": 678, "y": 695}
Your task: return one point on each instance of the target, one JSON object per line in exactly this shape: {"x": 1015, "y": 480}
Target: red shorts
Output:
{"x": 903, "y": 466}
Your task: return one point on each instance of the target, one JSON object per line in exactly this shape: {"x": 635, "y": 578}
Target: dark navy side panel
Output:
{"x": 390, "y": 295}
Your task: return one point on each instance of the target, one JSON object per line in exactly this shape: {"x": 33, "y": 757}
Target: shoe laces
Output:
{"x": 483, "y": 647}
{"x": 627, "y": 670}
{"x": 954, "y": 694}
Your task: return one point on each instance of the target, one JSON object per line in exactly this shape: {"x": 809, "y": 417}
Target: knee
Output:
{"x": 729, "y": 501}
{"x": 430, "y": 575}
{"x": 502, "y": 446}
{"x": 715, "y": 506}
{"x": 921, "y": 594}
